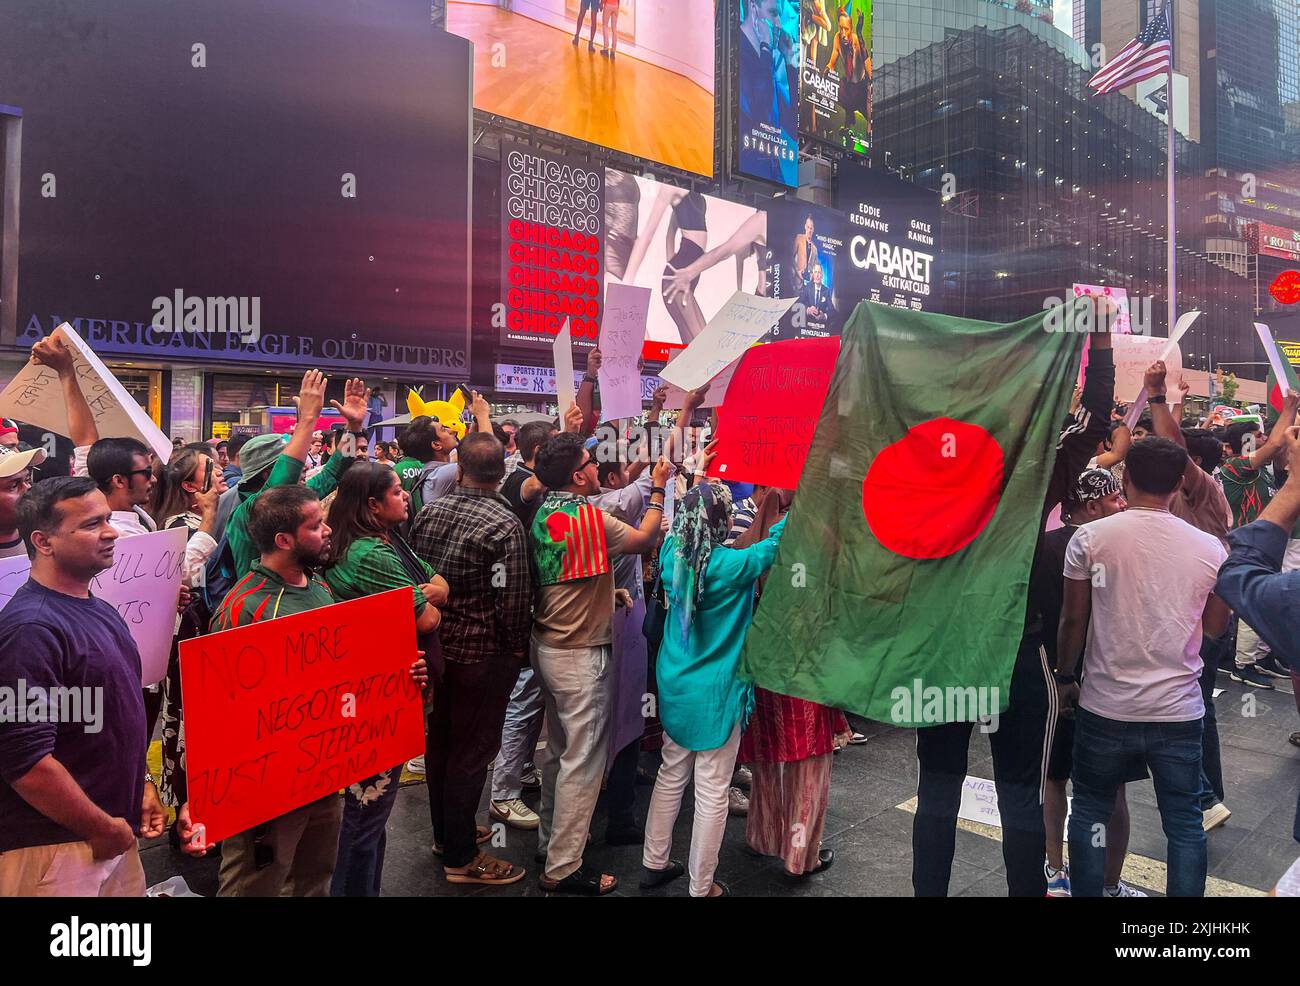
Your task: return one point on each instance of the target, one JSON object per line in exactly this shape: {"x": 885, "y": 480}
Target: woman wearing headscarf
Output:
{"x": 788, "y": 745}
{"x": 702, "y": 702}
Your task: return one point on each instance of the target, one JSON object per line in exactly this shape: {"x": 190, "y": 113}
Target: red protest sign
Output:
{"x": 766, "y": 423}
{"x": 281, "y": 713}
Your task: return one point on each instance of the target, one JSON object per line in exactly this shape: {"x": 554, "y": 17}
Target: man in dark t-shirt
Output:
{"x": 73, "y": 788}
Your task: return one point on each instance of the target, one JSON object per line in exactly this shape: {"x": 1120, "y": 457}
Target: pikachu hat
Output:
{"x": 447, "y": 412}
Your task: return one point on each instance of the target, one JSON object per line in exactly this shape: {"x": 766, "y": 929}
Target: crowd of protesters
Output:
{"x": 559, "y": 579}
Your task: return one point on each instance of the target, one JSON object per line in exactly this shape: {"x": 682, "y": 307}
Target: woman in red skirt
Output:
{"x": 788, "y": 743}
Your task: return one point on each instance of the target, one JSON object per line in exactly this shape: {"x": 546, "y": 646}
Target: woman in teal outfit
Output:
{"x": 702, "y": 702}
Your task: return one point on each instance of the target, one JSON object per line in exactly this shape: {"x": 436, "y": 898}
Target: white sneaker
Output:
{"x": 416, "y": 764}
{"x": 514, "y": 813}
{"x": 737, "y": 803}
{"x": 1058, "y": 883}
{"x": 1124, "y": 890}
{"x": 1214, "y": 816}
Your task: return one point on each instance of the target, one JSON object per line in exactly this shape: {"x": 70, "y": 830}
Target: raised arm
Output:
{"x": 644, "y": 536}
{"x": 310, "y": 402}
{"x": 1276, "y": 440}
{"x": 586, "y": 395}
{"x": 54, "y": 353}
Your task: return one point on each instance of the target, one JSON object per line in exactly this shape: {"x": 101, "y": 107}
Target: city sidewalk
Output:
{"x": 870, "y": 818}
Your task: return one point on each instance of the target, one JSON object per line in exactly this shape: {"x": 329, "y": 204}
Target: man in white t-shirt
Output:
{"x": 1140, "y": 586}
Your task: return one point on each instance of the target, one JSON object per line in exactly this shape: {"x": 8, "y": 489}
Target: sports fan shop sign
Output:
{"x": 552, "y": 246}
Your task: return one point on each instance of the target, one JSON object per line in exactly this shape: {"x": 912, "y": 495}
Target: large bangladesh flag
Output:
{"x": 905, "y": 561}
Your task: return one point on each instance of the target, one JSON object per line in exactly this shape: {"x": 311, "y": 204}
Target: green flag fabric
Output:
{"x": 904, "y": 566}
{"x": 1276, "y": 394}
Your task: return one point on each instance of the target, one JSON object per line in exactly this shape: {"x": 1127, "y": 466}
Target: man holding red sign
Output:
{"x": 293, "y": 853}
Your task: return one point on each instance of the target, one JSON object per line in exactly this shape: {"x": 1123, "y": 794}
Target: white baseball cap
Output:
{"x": 12, "y": 462}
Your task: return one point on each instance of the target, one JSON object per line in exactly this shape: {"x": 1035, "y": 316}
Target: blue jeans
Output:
{"x": 1211, "y": 765}
{"x": 1102, "y": 750}
{"x": 363, "y": 836}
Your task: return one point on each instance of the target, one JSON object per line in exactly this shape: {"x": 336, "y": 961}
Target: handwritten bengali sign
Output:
{"x": 767, "y": 423}
{"x": 622, "y": 333}
{"x": 143, "y": 585}
{"x": 281, "y": 713}
{"x": 35, "y": 397}
{"x": 740, "y": 323}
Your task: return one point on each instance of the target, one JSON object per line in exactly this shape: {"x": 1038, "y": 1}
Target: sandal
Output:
{"x": 486, "y": 869}
{"x": 578, "y": 882}
{"x": 657, "y": 878}
{"x": 481, "y": 835}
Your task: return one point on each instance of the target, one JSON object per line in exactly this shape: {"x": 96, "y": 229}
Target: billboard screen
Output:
{"x": 835, "y": 97}
{"x": 243, "y": 181}
{"x": 632, "y": 75}
{"x": 692, "y": 250}
{"x": 767, "y": 139}
{"x": 552, "y": 231}
{"x": 1273, "y": 241}
{"x": 892, "y": 239}
{"x": 807, "y": 263}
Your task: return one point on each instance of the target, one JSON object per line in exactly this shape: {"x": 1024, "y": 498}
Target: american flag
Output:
{"x": 1148, "y": 55}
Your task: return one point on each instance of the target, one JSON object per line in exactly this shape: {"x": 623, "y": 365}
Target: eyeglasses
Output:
{"x": 136, "y": 472}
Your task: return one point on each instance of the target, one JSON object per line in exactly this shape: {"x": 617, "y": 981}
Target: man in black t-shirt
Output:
{"x": 528, "y": 440}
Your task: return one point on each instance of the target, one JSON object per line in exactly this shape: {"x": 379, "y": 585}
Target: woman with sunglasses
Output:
{"x": 185, "y": 494}
{"x": 367, "y": 555}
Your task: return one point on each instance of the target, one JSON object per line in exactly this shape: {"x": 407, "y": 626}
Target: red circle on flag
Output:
{"x": 1286, "y": 287}
{"x": 931, "y": 493}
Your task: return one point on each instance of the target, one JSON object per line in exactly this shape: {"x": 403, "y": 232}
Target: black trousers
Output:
{"x": 1021, "y": 743}
{"x": 464, "y": 733}
{"x": 620, "y": 788}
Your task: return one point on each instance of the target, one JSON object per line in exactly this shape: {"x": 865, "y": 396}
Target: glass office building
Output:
{"x": 1055, "y": 186}
{"x": 1250, "y": 86}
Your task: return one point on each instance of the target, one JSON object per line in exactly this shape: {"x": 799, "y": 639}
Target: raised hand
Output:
{"x": 52, "y": 352}
{"x": 1154, "y": 378}
{"x": 356, "y": 402}
{"x": 311, "y": 396}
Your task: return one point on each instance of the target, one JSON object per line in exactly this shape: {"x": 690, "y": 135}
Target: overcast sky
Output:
{"x": 1062, "y": 15}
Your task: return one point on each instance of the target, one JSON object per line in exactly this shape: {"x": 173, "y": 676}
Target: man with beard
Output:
{"x": 294, "y": 853}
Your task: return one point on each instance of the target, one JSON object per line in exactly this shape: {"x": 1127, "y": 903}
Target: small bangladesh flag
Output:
{"x": 905, "y": 563}
{"x": 1276, "y": 392}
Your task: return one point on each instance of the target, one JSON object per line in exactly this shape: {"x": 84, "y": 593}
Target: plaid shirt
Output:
{"x": 473, "y": 539}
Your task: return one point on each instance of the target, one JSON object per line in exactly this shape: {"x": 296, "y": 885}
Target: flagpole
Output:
{"x": 1171, "y": 262}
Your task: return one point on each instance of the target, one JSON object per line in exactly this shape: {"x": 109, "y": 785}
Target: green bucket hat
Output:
{"x": 259, "y": 454}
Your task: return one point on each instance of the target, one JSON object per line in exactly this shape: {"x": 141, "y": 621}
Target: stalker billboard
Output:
{"x": 767, "y": 118}
{"x": 552, "y": 246}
